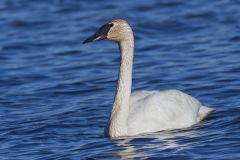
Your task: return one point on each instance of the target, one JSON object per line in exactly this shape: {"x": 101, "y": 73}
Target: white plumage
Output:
{"x": 163, "y": 110}
{"x": 144, "y": 111}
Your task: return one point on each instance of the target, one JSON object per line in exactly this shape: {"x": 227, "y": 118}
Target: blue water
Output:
{"x": 56, "y": 94}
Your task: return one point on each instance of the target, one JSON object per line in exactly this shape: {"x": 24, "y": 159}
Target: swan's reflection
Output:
{"x": 127, "y": 150}
{"x": 139, "y": 146}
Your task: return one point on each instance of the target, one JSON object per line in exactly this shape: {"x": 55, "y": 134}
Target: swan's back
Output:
{"x": 162, "y": 110}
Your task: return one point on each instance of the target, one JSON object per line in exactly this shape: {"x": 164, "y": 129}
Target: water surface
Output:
{"x": 56, "y": 94}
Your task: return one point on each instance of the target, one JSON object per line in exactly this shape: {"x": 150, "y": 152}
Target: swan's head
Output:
{"x": 115, "y": 30}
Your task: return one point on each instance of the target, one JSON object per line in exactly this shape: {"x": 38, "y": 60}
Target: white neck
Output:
{"x": 118, "y": 120}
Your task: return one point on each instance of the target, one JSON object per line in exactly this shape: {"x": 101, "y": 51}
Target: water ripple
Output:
{"x": 57, "y": 94}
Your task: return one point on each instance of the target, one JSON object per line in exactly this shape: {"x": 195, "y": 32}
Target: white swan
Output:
{"x": 144, "y": 111}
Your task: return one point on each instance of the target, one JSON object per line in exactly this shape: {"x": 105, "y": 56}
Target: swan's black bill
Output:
{"x": 91, "y": 39}
{"x": 100, "y": 34}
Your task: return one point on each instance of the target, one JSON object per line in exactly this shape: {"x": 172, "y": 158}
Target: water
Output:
{"x": 56, "y": 94}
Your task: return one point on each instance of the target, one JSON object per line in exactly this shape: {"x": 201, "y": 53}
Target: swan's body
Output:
{"x": 144, "y": 111}
{"x": 163, "y": 110}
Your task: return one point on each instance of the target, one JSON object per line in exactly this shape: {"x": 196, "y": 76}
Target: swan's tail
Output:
{"x": 203, "y": 112}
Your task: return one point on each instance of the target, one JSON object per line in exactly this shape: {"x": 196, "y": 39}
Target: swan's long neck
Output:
{"x": 118, "y": 120}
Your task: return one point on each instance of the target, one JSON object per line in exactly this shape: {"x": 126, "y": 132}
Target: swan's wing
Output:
{"x": 138, "y": 95}
{"x": 161, "y": 110}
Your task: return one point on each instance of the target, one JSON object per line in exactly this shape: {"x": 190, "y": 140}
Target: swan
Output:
{"x": 143, "y": 111}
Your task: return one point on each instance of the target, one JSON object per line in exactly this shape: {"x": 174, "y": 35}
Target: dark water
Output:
{"x": 56, "y": 94}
